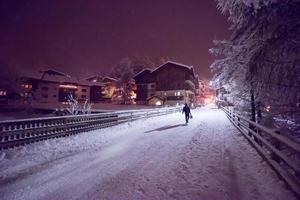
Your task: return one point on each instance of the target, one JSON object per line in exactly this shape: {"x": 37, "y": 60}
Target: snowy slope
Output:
{"x": 155, "y": 158}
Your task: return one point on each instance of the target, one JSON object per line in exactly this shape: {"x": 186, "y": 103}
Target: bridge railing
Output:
{"x": 17, "y": 132}
{"x": 281, "y": 152}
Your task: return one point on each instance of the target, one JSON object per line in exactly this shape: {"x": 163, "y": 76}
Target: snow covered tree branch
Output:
{"x": 75, "y": 108}
{"x": 262, "y": 54}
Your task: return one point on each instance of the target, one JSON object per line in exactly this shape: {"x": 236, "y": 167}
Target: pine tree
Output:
{"x": 262, "y": 56}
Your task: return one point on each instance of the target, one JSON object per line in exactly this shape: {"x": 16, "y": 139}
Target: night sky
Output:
{"x": 84, "y": 37}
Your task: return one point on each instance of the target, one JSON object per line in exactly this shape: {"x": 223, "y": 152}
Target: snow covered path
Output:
{"x": 157, "y": 158}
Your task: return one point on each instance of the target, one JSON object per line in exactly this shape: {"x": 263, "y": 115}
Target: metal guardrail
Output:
{"x": 279, "y": 151}
{"x": 18, "y": 132}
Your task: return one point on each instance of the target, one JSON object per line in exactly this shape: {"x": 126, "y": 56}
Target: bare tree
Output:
{"x": 75, "y": 108}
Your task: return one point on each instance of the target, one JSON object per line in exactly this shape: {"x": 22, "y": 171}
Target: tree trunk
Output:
{"x": 252, "y": 100}
{"x": 252, "y": 106}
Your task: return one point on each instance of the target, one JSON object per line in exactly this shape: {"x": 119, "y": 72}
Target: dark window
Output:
{"x": 96, "y": 94}
{"x": 83, "y": 90}
{"x": 83, "y": 96}
{"x": 64, "y": 93}
{"x": 45, "y": 88}
{"x": 54, "y": 96}
{"x": 141, "y": 92}
{"x": 174, "y": 97}
{"x": 45, "y": 95}
{"x": 152, "y": 86}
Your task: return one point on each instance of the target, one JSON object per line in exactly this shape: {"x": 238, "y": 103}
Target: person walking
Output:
{"x": 187, "y": 111}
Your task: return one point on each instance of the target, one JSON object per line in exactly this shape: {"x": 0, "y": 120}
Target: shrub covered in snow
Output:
{"x": 74, "y": 107}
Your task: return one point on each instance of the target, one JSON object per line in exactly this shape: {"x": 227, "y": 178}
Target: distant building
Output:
{"x": 109, "y": 86}
{"x": 52, "y": 88}
{"x": 169, "y": 84}
{"x": 4, "y": 90}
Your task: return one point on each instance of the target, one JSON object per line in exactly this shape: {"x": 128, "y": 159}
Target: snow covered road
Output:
{"x": 155, "y": 158}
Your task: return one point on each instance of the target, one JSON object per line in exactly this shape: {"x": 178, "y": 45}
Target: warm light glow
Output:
{"x": 132, "y": 95}
{"x": 209, "y": 99}
{"x": 26, "y": 86}
{"x": 2, "y": 93}
{"x": 158, "y": 103}
{"x": 24, "y": 94}
{"x": 268, "y": 108}
{"x": 68, "y": 86}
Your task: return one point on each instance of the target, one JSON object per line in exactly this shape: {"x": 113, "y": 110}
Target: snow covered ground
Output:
{"x": 156, "y": 158}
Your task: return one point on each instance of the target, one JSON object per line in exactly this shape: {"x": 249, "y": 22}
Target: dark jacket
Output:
{"x": 186, "y": 110}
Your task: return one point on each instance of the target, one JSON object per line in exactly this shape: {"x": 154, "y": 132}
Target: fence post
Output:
{"x": 276, "y": 144}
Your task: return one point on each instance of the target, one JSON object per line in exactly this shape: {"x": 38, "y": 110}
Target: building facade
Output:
{"x": 170, "y": 84}
{"x": 109, "y": 86}
{"x": 52, "y": 89}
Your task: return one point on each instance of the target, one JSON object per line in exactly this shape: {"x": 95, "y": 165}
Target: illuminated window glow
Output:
{"x": 2, "y": 93}
{"x": 158, "y": 103}
{"x": 68, "y": 86}
{"x": 26, "y": 86}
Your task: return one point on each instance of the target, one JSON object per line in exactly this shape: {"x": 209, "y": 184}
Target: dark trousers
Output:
{"x": 187, "y": 117}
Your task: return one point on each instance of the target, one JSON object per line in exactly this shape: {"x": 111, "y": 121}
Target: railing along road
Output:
{"x": 281, "y": 152}
{"x": 18, "y": 132}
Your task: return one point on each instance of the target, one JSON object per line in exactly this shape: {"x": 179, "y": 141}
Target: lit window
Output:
{"x": 24, "y": 94}
{"x": 2, "y": 93}
{"x": 158, "y": 103}
{"x": 178, "y": 93}
{"x": 26, "y": 86}
{"x": 68, "y": 86}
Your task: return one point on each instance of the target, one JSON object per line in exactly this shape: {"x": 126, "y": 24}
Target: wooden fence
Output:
{"x": 281, "y": 152}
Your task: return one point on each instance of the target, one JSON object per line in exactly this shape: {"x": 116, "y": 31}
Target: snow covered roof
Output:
{"x": 99, "y": 78}
{"x": 146, "y": 69}
{"x": 175, "y": 63}
{"x": 56, "y": 76}
{"x": 54, "y": 72}
{"x": 90, "y": 78}
{"x": 109, "y": 78}
{"x": 168, "y": 62}
{"x": 51, "y": 75}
